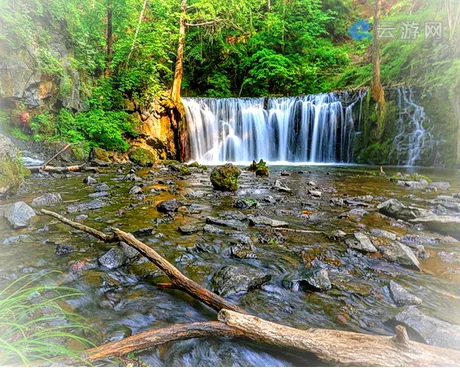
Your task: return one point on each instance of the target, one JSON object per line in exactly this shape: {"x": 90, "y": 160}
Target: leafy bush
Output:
{"x": 34, "y": 328}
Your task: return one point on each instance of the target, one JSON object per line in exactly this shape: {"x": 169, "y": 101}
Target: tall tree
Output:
{"x": 377, "y": 91}
{"x": 109, "y": 39}
{"x": 179, "y": 67}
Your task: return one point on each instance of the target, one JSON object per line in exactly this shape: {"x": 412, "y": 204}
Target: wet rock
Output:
{"x": 401, "y": 296}
{"x": 89, "y": 180}
{"x": 196, "y": 209}
{"x": 354, "y": 213}
{"x": 426, "y": 239}
{"x": 230, "y": 280}
{"x": 262, "y": 171}
{"x": 225, "y": 177}
{"x": 315, "y": 193}
{"x": 48, "y": 199}
{"x": 440, "y": 185}
{"x": 419, "y": 251}
{"x": 397, "y": 210}
{"x": 100, "y": 157}
{"x": 170, "y": 205}
{"x": 310, "y": 280}
{"x": 433, "y": 331}
{"x": 18, "y": 214}
{"x": 80, "y": 218}
{"x": 360, "y": 242}
{"x": 118, "y": 256}
{"x": 141, "y": 156}
{"x": 312, "y": 183}
{"x": 242, "y": 251}
{"x": 63, "y": 249}
{"x": 384, "y": 234}
{"x": 132, "y": 177}
{"x": 268, "y": 199}
{"x": 444, "y": 224}
{"x": 244, "y": 203}
{"x": 412, "y": 184}
{"x": 99, "y": 195}
{"x": 338, "y": 234}
{"x": 15, "y": 239}
{"x": 355, "y": 203}
{"x": 103, "y": 187}
{"x": 213, "y": 230}
{"x": 266, "y": 221}
{"x": 190, "y": 229}
{"x": 84, "y": 207}
{"x": 449, "y": 257}
{"x": 135, "y": 190}
{"x": 232, "y": 215}
{"x": 285, "y": 173}
{"x": 204, "y": 248}
{"x": 401, "y": 254}
{"x": 279, "y": 186}
{"x": 336, "y": 202}
{"x": 234, "y": 224}
{"x": 275, "y": 238}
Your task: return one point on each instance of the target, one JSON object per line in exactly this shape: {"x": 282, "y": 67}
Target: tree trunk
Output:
{"x": 141, "y": 16}
{"x": 343, "y": 348}
{"x": 377, "y": 92}
{"x": 179, "y": 68}
{"x": 108, "y": 60}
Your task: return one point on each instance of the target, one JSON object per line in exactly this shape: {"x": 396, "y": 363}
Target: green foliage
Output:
{"x": 12, "y": 173}
{"x": 34, "y": 328}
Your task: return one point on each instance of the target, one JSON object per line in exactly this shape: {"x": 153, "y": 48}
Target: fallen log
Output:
{"x": 177, "y": 278}
{"x": 56, "y": 169}
{"x": 343, "y": 347}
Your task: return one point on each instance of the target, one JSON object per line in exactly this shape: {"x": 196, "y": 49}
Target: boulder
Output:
{"x": 433, "y": 330}
{"x": 100, "y": 157}
{"x": 170, "y": 205}
{"x": 440, "y": 185}
{"x": 401, "y": 296}
{"x": 266, "y": 221}
{"x": 141, "y": 156}
{"x": 230, "y": 280}
{"x": 118, "y": 256}
{"x": 394, "y": 208}
{"x": 311, "y": 280}
{"x": 384, "y": 234}
{"x": 225, "y": 177}
{"x": 18, "y": 214}
{"x": 48, "y": 199}
{"x": 444, "y": 224}
{"x": 412, "y": 184}
{"x": 360, "y": 242}
{"x": 401, "y": 254}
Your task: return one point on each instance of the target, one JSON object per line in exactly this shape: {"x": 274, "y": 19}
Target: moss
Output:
{"x": 80, "y": 151}
{"x": 225, "y": 177}
{"x": 142, "y": 157}
{"x": 410, "y": 177}
{"x": 100, "y": 154}
{"x": 262, "y": 171}
{"x": 180, "y": 168}
{"x": 255, "y": 165}
{"x": 169, "y": 162}
{"x": 11, "y": 174}
{"x": 197, "y": 165}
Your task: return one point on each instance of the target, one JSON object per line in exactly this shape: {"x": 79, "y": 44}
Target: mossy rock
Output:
{"x": 255, "y": 165}
{"x": 197, "y": 165}
{"x": 100, "y": 154}
{"x": 11, "y": 174}
{"x": 169, "y": 162}
{"x": 80, "y": 151}
{"x": 409, "y": 177}
{"x": 225, "y": 177}
{"x": 262, "y": 171}
{"x": 181, "y": 169}
{"x": 141, "y": 156}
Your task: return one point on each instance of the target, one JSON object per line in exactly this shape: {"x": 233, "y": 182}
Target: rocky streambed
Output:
{"x": 373, "y": 253}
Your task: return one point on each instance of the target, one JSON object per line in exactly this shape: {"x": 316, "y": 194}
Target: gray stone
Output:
{"x": 89, "y": 180}
{"x": 84, "y": 207}
{"x": 15, "y": 239}
{"x": 444, "y": 224}
{"x": 427, "y": 239}
{"x": 315, "y": 193}
{"x": 213, "y": 230}
{"x": 311, "y": 280}
{"x": 98, "y": 194}
{"x": 433, "y": 330}
{"x": 136, "y": 190}
{"x": 397, "y": 210}
{"x": 360, "y": 242}
{"x": 118, "y": 256}
{"x": 401, "y": 254}
{"x": 440, "y": 185}
{"x": 63, "y": 249}
{"x": 230, "y": 280}
{"x": 412, "y": 184}
{"x": 81, "y": 218}
{"x": 242, "y": 251}
{"x": 384, "y": 234}
{"x": 19, "y": 214}
{"x": 449, "y": 257}
{"x": 48, "y": 199}
{"x": 401, "y": 296}
{"x": 170, "y": 205}
{"x": 232, "y": 215}
{"x": 190, "y": 229}
{"x": 266, "y": 221}
{"x": 281, "y": 187}
{"x": 103, "y": 187}
{"x": 7, "y": 148}
{"x": 243, "y": 203}
{"x": 132, "y": 177}
{"x": 338, "y": 234}
{"x": 234, "y": 224}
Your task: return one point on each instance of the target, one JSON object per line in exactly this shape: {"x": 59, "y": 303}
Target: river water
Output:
{"x": 123, "y": 301}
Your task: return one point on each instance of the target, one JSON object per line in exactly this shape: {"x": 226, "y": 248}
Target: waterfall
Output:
{"x": 412, "y": 137}
{"x": 314, "y": 128}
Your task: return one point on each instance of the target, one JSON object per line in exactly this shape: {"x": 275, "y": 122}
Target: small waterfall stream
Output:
{"x": 306, "y": 129}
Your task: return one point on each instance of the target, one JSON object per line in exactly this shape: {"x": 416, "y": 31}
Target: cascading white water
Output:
{"x": 412, "y": 137}
{"x": 314, "y": 128}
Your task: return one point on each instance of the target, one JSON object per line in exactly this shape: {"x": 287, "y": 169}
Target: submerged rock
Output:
{"x": 234, "y": 224}
{"x": 401, "y": 296}
{"x": 400, "y": 253}
{"x": 213, "y": 230}
{"x": 244, "y": 203}
{"x": 310, "y": 280}
{"x": 360, "y": 242}
{"x": 384, "y": 234}
{"x": 63, "y": 249}
{"x": 118, "y": 256}
{"x": 48, "y": 199}
{"x": 397, "y": 210}
{"x": 225, "y": 177}
{"x": 434, "y": 331}
{"x": 190, "y": 229}
{"x": 170, "y": 205}
{"x": 230, "y": 280}
{"x": 18, "y": 214}
{"x": 266, "y": 221}
{"x": 281, "y": 187}
{"x": 84, "y": 207}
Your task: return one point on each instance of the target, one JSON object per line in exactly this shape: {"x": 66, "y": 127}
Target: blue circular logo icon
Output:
{"x": 360, "y": 30}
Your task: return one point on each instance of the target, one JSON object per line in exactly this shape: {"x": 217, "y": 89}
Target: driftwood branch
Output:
{"x": 208, "y": 23}
{"x": 296, "y": 230}
{"x": 343, "y": 347}
{"x": 57, "y": 154}
{"x": 177, "y": 278}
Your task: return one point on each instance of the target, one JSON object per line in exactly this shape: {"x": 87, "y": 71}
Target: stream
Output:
{"x": 125, "y": 300}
